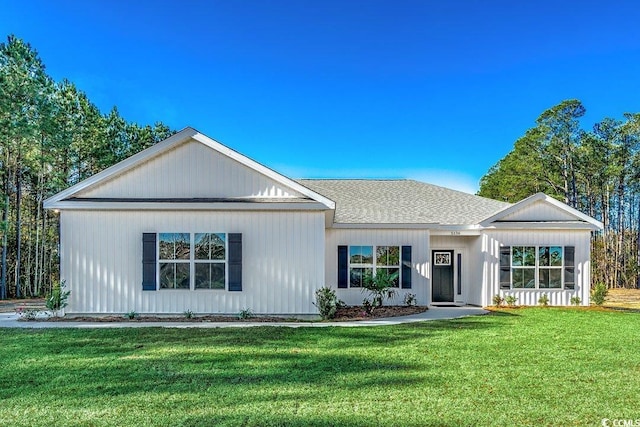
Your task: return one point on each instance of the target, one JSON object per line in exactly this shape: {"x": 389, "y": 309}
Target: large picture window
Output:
{"x": 368, "y": 260}
{"x": 537, "y": 267}
{"x": 192, "y": 260}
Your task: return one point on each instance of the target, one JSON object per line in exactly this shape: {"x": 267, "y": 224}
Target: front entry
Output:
{"x": 442, "y": 283}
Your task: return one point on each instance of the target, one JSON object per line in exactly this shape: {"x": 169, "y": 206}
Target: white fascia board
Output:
{"x": 385, "y": 226}
{"x": 122, "y": 166}
{"x": 540, "y": 197}
{"x": 215, "y": 206}
{"x": 260, "y": 168}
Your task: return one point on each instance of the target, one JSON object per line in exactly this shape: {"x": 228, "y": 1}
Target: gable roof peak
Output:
{"x": 183, "y": 136}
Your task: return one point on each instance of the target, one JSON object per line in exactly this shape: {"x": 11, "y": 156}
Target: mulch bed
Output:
{"x": 343, "y": 314}
{"x": 183, "y": 319}
{"x": 359, "y": 313}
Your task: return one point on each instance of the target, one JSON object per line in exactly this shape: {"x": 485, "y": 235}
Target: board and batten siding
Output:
{"x": 539, "y": 211}
{"x": 417, "y": 239}
{"x": 283, "y": 264}
{"x": 580, "y": 239}
{"x": 190, "y": 170}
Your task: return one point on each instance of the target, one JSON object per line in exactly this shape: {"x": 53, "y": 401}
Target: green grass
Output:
{"x": 514, "y": 367}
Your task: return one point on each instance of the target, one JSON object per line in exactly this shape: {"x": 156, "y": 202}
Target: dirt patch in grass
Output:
{"x": 12, "y": 305}
{"x": 623, "y": 298}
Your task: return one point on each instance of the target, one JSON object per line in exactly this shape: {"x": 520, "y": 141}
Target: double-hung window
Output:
{"x": 210, "y": 260}
{"x": 523, "y": 267}
{"x": 550, "y": 267}
{"x": 175, "y": 260}
{"x": 192, "y": 260}
{"x": 370, "y": 260}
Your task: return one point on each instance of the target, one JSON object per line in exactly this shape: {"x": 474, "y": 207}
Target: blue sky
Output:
{"x": 430, "y": 90}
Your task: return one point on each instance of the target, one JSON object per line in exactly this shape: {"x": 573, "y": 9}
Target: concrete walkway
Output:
{"x": 10, "y": 320}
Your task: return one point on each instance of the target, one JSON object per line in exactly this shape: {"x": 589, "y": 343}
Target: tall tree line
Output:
{"x": 596, "y": 171}
{"x": 51, "y": 137}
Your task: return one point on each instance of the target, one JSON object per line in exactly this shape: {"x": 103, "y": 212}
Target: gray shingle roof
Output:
{"x": 365, "y": 201}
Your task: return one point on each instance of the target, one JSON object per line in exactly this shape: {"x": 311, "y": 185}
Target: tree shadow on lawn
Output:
{"x": 196, "y": 372}
{"x": 91, "y": 368}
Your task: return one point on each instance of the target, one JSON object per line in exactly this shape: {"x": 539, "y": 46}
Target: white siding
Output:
{"x": 190, "y": 170}
{"x": 540, "y": 211}
{"x": 471, "y": 276}
{"x": 417, "y": 239}
{"x": 101, "y": 261}
{"x": 581, "y": 239}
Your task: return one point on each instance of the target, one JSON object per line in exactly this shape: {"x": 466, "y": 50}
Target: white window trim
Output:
{"x": 192, "y": 262}
{"x": 374, "y": 265}
{"x": 536, "y": 268}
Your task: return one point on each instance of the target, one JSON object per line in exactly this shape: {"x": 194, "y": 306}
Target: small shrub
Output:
{"x": 498, "y": 300}
{"x": 327, "y": 302}
{"x": 131, "y": 315}
{"x": 543, "y": 300}
{"x": 27, "y": 313}
{"x": 511, "y": 300}
{"x": 245, "y": 314}
{"x": 188, "y": 314}
{"x": 410, "y": 300}
{"x": 575, "y": 300}
{"x": 599, "y": 294}
{"x": 57, "y": 298}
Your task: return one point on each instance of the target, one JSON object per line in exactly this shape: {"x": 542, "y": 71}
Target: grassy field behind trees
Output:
{"x": 51, "y": 137}
{"x": 596, "y": 171}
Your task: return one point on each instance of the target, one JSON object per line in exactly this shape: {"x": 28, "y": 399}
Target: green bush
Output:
{"x": 57, "y": 298}
{"x": 132, "y": 315}
{"x": 380, "y": 286}
{"x": 599, "y": 294}
{"x": 576, "y": 300}
{"x": 511, "y": 300}
{"x": 327, "y": 302}
{"x": 498, "y": 300}
{"x": 543, "y": 300}
{"x": 245, "y": 314}
{"x": 409, "y": 300}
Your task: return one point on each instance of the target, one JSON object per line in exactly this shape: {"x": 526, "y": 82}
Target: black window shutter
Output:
{"x": 406, "y": 267}
{"x": 343, "y": 266}
{"x": 569, "y": 267}
{"x": 235, "y": 261}
{"x": 149, "y": 261}
{"x": 505, "y": 267}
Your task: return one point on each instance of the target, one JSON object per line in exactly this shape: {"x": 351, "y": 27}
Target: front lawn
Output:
{"x": 514, "y": 367}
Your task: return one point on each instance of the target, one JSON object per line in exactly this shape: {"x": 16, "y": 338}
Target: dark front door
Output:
{"x": 442, "y": 282}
